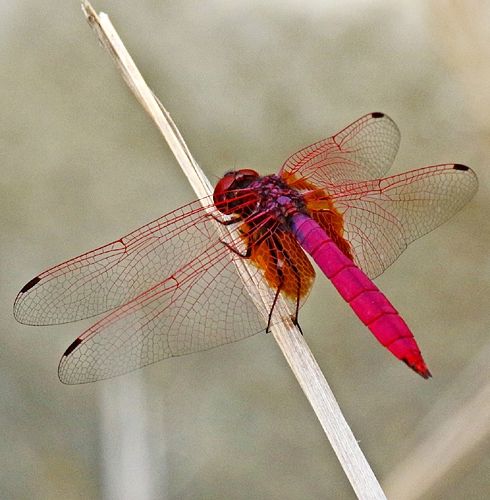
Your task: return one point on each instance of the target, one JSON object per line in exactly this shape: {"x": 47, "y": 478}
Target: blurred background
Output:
{"x": 248, "y": 83}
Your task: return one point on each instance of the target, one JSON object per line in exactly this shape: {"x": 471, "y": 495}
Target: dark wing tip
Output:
{"x": 72, "y": 347}
{"x": 458, "y": 166}
{"x": 377, "y": 114}
{"x": 30, "y": 284}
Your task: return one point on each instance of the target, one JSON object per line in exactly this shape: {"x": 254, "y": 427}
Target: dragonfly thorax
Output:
{"x": 244, "y": 193}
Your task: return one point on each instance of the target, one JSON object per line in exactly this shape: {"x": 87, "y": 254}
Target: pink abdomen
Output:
{"x": 364, "y": 297}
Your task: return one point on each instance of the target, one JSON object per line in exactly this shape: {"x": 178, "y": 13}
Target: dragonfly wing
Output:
{"x": 363, "y": 150}
{"x": 109, "y": 276}
{"x": 201, "y": 306}
{"x": 381, "y": 217}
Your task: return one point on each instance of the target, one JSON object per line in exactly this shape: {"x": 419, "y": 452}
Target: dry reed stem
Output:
{"x": 287, "y": 336}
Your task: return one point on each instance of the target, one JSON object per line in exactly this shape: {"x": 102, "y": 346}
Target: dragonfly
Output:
{"x": 172, "y": 288}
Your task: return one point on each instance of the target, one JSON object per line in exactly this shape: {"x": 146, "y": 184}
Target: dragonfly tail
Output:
{"x": 369, "y": 304}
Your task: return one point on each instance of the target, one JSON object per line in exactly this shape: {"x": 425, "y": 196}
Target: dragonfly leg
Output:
{"x": 271, "y": 243}
{"x": 297, "y": 275}
{"x": 297, "y": 325}
{"x": 245, "y": 255}
{"x": 248, "y": 238}
{"x": 235, "y": 219}
{"x": 298, "y": 295}
{"x": 276, "y": 296}
{"x": 294, "y": 318}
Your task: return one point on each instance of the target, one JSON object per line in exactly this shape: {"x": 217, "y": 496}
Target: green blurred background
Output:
{"x": 248, "y": 83}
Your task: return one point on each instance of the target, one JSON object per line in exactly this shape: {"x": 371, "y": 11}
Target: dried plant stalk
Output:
{"x": 287, "y": 336}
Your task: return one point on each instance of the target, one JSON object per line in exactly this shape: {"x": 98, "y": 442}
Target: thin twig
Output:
{"x": 287, "y": 336}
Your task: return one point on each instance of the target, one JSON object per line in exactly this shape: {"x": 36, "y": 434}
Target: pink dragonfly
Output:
{"x": 171, "y": 287}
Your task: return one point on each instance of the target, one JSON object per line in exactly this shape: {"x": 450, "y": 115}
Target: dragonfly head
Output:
{"x": 231, "y": 194}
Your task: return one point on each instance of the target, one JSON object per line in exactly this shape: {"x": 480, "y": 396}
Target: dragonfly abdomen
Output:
{"x": 364, "y": 297}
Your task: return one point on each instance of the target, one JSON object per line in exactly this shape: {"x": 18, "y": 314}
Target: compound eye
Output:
{"x": 245, "y": 173}
{"x": 223, "y": 187}
{"x": 227, "y": 184}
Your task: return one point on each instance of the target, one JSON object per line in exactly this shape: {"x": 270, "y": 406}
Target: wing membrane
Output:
{"x": 381, "y": 217}
{"x": 201, "y": 306}
{"x": 173, "y": 289}
{"x": 105, "y": 278}
{"x": 363, "y": 150}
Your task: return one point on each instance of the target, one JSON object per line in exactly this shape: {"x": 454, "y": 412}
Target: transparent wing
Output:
{"x": 105, "y": 278}
{"x": 173, "y": 288}
{"x": 363, "y": 150}
{"x": 201, "y": 306}
{"x": 381, "y": 217}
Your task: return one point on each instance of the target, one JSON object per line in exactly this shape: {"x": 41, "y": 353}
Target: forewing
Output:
{"x": 109, "y": 276}
{"x": 363, "y": 150}
{"x": 381, "y": 217}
